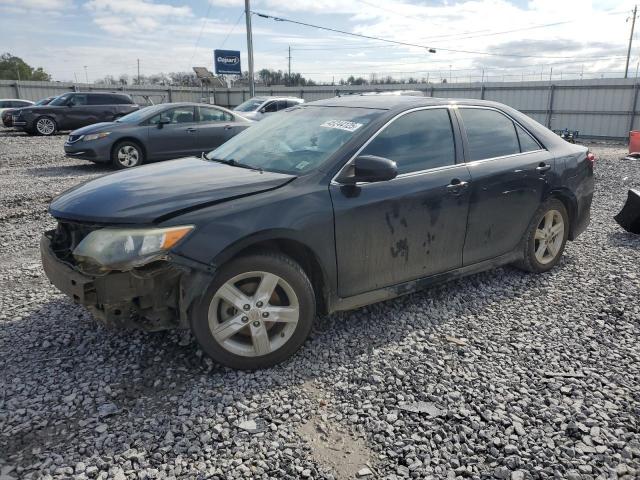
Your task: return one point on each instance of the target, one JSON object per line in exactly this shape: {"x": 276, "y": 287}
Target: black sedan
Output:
{"x": 160, "y": 132}
{"x": 327, "y": 206}
{"x": 7, "y": 115}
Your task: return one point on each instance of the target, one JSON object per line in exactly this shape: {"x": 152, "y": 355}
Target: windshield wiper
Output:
{"x": 232, "y": 162}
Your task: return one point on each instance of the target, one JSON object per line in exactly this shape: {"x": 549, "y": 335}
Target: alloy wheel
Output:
{"x": 45, "y": 126}
{"x": 548, "y": 237}
{"x": 254, "y": 314}
{"x": 128, "y": 156}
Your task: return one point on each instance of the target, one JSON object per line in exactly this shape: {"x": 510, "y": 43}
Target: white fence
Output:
{"x": 604, "y": 108}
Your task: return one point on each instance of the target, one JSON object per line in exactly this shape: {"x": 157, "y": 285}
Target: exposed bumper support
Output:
{"x": 157, "y": 297}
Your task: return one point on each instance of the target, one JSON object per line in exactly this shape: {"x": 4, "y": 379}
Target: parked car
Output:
{"x": 328, "y": 206}
{"x": 7, "y": 103}
{"x": 257, "y": 108}
{"x": 7, "y": 114}
{"x": 160, "y": 132}
{"x": 73, "y": 110}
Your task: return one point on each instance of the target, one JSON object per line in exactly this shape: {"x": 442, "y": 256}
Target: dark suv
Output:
{"x": 73, "y": 110}
{"x": 325, "y": 206}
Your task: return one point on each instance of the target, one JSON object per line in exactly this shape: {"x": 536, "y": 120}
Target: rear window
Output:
{"x": 210, "y": 114}
{"x": 489, "y": 133}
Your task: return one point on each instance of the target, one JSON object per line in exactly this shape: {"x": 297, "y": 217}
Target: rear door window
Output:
{"x": 489, "y": 133}
{"x": 78, "y": 100}
{"x": 175, "y": 115}
{"x": 527, "y": 142}
{"x": 416, "y": 141}
{"x": 99, "y": 100}
{"x": 210, "y": 114}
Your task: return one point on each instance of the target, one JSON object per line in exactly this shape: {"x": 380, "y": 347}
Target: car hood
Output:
{"x": 249, "y": 115}
{"x": 99, "y": 127}
{"x": 154, "y": 193}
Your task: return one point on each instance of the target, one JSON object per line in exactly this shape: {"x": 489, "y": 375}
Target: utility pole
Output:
{"x": 138, "y": 71}
{"x": 633, "y": 25}
{"x": 247, "y": 13}
{"x": 86, "y": 75}
{"x": 290, "y": 83}
{"x": 550, "y": 73}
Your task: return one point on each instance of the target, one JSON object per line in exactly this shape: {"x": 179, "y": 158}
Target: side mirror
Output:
{"x": 369, "y": 168}
{"x": 163, "y": 120}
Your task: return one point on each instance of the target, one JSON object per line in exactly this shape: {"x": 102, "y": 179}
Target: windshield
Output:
{"x": 143, "y": 113}
{"x": 44, "y": 101}
{"x": 295, "y": 140}
{"x": 250, "y": 105}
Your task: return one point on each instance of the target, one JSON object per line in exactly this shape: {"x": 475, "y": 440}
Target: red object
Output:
{"x": 634, "y": 141}
{"x": 591, "y": 158}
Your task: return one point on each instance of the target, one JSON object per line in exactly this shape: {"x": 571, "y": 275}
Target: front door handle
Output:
{"x": 456, "y": 186}
{"x": 228, "y": 127}
{"x": 191, "y": 130}
{"x": 543, "y": 167}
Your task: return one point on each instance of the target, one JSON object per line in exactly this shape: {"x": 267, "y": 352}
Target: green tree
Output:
{"x": 14, "y": 68}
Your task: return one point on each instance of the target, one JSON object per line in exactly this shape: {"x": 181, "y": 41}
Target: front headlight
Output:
{"x": 126, "y": 248}
{"x": 95, "y": 136}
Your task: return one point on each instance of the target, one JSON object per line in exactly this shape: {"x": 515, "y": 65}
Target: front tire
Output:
{"x": 256, "y": 313}
{"x": 545, "y": 238}
{"x": 46, "y": 126}
{"x": 127, "y": 154}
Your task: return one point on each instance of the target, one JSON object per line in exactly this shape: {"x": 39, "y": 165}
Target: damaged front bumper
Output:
{"x": 157, "y": 296}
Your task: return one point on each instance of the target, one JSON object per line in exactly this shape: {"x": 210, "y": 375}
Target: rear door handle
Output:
{"x": 543, "y": 167}
{"x": 228, "y": 127}
{"x": 191, "y": 130}
{"x": 456, "y": 186}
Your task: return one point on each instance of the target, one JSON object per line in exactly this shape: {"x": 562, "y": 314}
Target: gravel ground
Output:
{"x": 500, "y": 375}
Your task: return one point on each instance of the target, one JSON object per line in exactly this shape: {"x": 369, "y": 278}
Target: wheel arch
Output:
{"x": 569, "y": 201}
{"x": 284, "y": 242}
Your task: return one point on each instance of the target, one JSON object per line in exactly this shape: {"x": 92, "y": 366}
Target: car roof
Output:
{"x": 275, "y": 98}
{"x": 102, "y": 93}
{"x": 399, "y": 102}
{"x": 188, "y": 104}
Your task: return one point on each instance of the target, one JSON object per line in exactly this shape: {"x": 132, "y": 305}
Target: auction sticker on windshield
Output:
{"x": 342, "y": 125}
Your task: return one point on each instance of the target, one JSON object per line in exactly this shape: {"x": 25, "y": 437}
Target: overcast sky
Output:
{"x": 108, "y": 36}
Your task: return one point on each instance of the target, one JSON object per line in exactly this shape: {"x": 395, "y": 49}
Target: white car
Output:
{"x": 6, "y": 103}
{"x": 257, "y": 108}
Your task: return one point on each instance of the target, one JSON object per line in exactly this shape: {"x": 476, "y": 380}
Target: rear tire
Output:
{"x": 545, "y": 238}
{"x": 127, "y": 154}
{"x": 46, "y": 126}
{"x": 257, "y": 312}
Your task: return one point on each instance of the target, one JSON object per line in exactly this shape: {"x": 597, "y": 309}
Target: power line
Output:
{"x": 204, "y": 23}
{"x": 407, "y": 44}
{"x": 232, "y": 29}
